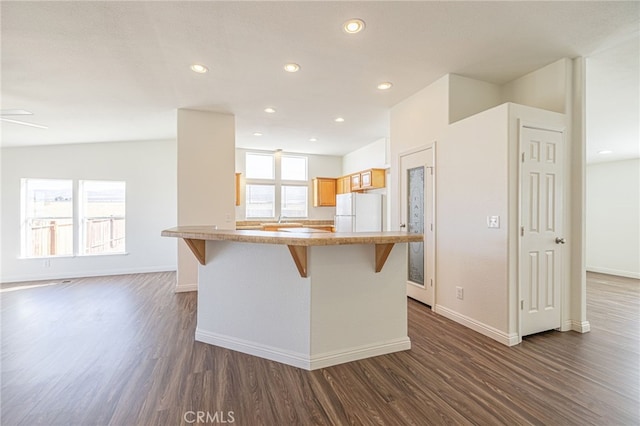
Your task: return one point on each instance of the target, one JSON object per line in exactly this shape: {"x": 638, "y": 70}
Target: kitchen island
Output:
{"x": 307, "y": 299}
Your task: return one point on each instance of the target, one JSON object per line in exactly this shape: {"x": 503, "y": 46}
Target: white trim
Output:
{"x": 581, "y": 327}
{"x": 300, "y": 360}
{"x": 71, "y": 256}
{"x": 508, "y": 339}
{"x": 185, "y": 288}
{"x": 295, "y": 359}
{"x": 562, "y": 129}
{"x": 616, "y": 272}
{"x": 328, "y": 359}
{"x": 542, "y": 126}
{"x": 433, "y": 146}
{"x": 87, "y": 273}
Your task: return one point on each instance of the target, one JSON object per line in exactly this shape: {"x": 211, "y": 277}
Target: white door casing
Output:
{"x": 541, "y": 229}
{"x": 417, "y": 207}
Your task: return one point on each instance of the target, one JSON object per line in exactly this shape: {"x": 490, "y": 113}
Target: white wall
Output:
{"x": 545, "y": 88}
{"x": 149, "y": 170}
{"x": 206, "y": 180}
{"x": 318, "y": 166}
{"x": 613, "y": 218}
{"x": 371, "y": 156}
{"x": 472, "y": 182}
{"x": 417, "y": 121}
{"x": 423, "y": 119}
{"x": 468, "y": 97}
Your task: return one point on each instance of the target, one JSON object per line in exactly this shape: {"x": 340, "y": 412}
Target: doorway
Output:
{"x": 542, "y": 239}
{"x": 417, "y": 207}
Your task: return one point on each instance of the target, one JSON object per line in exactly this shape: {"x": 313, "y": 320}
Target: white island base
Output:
{"x": 252, "y": 299}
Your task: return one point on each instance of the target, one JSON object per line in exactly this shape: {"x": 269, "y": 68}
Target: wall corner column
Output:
{"x": 577, "y": 258}
{"x": 206, "y": 181}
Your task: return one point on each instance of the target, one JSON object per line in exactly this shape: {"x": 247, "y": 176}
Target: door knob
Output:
{"x": 560, "y": 240}
{"x": 403, "y": 225}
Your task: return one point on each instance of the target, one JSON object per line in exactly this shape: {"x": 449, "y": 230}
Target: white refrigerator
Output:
{"x": 358, "y": 212}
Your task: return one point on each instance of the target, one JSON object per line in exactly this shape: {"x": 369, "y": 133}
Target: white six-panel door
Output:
{"x": 541, "y": 229}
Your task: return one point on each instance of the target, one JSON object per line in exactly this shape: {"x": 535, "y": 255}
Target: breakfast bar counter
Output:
{"x": 307, "y": 299}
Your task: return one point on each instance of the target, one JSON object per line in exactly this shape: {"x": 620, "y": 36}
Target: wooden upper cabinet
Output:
{"x": 368, "y": 179}
{"x": 355, "y": 182}
{"x": 324, "y": 192}
{"x": 372, "y": 178}
{"x": 343, "y": 185}
{"x": 238, "y": 188}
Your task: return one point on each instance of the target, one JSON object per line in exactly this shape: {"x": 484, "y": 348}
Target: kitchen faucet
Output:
{"x": 280, "y": 218}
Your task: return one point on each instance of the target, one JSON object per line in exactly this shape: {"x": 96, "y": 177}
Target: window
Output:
{"x": 47, "y": 217}
{"x": 294, "y": 168}
{"x": 294, "y": 201}
{"x": 260, "y": 166}
{"x": 277, "y": 185}
{"x": 48, "y": 223}
{"x": 261, "y": 200}
{"x": 102, "y": 217}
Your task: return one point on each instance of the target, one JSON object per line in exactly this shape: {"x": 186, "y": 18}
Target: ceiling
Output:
{"x": 117, "y": 71}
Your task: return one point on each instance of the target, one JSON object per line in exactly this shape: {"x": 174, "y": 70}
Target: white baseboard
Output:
{"x": 616, "y": 272}
{"x": 301, "y": 360}
{"x": 184, "y": 288}
{"x": 339, "y": 357}
{"x": 497, "y": 335}
{"x": 580, "y": 326}
{"x": 86, "y": 274}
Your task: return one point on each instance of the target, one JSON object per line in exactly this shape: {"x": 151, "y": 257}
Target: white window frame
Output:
{"x": 76, "y": 221}
{"x": 278, "y": 183}
{"x": 83, "y": 218}
{"x": 26, "y": 251}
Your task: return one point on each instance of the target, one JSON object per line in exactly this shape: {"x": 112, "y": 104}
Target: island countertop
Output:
{"x": 291, "y": 238}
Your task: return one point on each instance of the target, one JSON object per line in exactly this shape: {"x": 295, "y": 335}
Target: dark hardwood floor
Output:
{"x": 120, "y": 351}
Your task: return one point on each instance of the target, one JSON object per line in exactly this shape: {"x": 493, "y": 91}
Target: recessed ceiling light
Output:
{"x": 291, "y": 67}
{"x": 257, "y": 134}
{"x": 339, "y": 120}
{"x": 199, "y": 68}
{"x": 313, "y": 140}
{"x": 269, "y": 110}
{"x": 385, "y": 86}
{"x": 605, "y": 151}
{"x": 353, "y": 26}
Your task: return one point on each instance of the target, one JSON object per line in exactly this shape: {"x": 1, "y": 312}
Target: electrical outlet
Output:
{"x": 46, "y": 263}
{"x": 493, "y": 221}
{"x": 227, "y": 218}
{"x": 459, "y": 293}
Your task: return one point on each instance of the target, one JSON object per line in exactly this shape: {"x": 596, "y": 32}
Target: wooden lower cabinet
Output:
{"x": 324, "y": 192}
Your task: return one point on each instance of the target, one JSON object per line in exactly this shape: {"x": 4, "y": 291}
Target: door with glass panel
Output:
{"x": 417, "y": 208}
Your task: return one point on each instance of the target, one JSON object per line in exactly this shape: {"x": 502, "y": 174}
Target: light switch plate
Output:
{"x": 493, "y": 221}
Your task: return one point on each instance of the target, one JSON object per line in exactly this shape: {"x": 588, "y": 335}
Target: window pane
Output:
{"x": 102, "y": 216}
{"x": 294, "y": 168}
{"x": 49, "y": 198}
{"x": 47, "y": 221}
{"x": 260, "y": 201}
{"x": 259, "y": 166}
{"x": 294, "y": 201}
